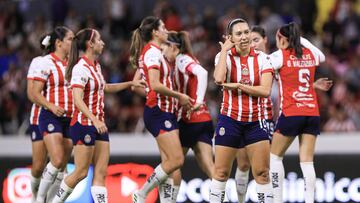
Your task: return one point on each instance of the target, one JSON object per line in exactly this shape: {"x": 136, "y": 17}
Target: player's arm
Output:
{"x": 263, "y": 90}
{"x": 78, "y": 94}
{"x": 40, "y": 100}
{"x": 158, "y": 87}
{"x": 138, "y": 90}
{"x": 116, "y": 87}
{"x": 320, "y": 57}
{"x": 220, "y": 61}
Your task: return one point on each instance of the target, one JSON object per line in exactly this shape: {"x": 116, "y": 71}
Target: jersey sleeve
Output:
{"x": 318, "y": 54}
{"x": 266, "y": 66}
{"x": 152, "y": 58}
{"x": 276, "y": 59}
{"x": 42, "y": 71}
{"x": 79, "y": 76}
{"x": 33, "y": 66}
{"x": 185, "y": 63}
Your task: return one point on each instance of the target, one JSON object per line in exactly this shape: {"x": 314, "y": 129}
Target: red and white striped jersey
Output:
{"x": 152, "y": 58}
{"x": 267, "y": 108}
{"x": 246, "y": 70}
{"x": 57, "y": 90}
{"x": 35, "y": 109}
{"x": 88, "y": 76}
{"x": 187, "y": 83}
{"x": 296, "y": 78}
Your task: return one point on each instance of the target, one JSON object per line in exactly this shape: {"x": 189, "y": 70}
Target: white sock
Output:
{"x": 47, "y": 179}
{"x": 34, "y": 182}
{"x": 265, "y": 193}
{"x": 166, "y": 190}
{"x": 99, "y": 194}
{"x": 175, "y": 193}
{"x": 308, "y": 171}
{"x": 54, "y": 187}
{"x": 154, "y": 180}
{"x": 217, "y": 191}
{"x": 63, "y": 193}
{"x": 277, "y": 175}
{"x": 241, "y": 179}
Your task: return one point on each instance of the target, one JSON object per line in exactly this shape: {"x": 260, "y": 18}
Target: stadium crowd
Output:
{"x": 336, "y": 30}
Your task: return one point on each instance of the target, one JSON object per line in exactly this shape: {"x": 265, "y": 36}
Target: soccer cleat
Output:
{"x": 137, "y": 198}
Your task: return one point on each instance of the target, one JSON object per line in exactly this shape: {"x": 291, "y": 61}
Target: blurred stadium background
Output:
{"x": 333, "y": 25}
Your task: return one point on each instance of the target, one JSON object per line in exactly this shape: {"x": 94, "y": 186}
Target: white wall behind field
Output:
{"x": 145, "y": 145}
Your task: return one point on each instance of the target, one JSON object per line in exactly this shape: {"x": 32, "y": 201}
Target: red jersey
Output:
{"x": 246, "y": 70}
{"x": 35, "y": 109}
{"x": 187, "y": 83}
{"x": 296, "y": 78}
{"x": 88, "y": 76}
{"x": 57, "y": 90}
{"x": 151, "y": 57}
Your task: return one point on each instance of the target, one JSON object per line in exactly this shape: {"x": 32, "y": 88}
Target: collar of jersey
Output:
{"x": 87, "y": 60}
{"x": 235, "y": 53}
{"x": 64, "y": 62}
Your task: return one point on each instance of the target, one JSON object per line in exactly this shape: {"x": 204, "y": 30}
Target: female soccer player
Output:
{"x": 57, "y": 106}
{"x": 259, "y": 42}
{"x": 88, "y": 130}
{"x": 195, "y": 125}
{"x": 239, "y": 123}
{"x": 299, "y": 109}
{"x": 39, "y": 154}
{"x": 159, "y": 109}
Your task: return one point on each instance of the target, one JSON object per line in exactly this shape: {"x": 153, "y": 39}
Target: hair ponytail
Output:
{"x": 140, "y": 36}
{"x": 48, "y": 41}
{"x": 292, "y": 32}
{"x": 78, "y": 44}
{"x": 135, "y": 48}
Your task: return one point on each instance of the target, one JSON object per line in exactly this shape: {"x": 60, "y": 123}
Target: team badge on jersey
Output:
{"x": 245, "y": 71}
{"x": 222, "y": 131}
{"x": 167, "y": 124}
{"x": 87, "y": 139}
{"x": 50, "y": 127}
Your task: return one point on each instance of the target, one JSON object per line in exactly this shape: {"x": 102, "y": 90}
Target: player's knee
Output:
{"x": 58, "y": 161}
{"x": 244, "y": 166}
{"x": 261, "y": 175}
{"x": 221, "y": 174}
{"x": 177, "y": 161}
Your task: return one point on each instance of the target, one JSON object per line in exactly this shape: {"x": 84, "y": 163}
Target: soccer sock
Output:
{"x": 308, "y": 171}
{"x": 99, "y": 194}
{"x": 34, "y": 182}
{"x": 241, "y": 179}
{"x": 55, "y": 187}
{"x": 47, "y": 179}
{"x": 166, "y": 190}
{"x": 175, "y": 193}
{"x": 277, "y": 175}
{"x": 63, "y": 193}
{"x": 264, "y": 192}
{"x": 217, "y": 191}
{"x": 154, "y": 180}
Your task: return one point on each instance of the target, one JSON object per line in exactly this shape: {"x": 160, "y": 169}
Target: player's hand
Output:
{"x": 227, "y": 44}
{"x": 323, "y": 84}
{"x": 57, "y": 110}
{"x": 186, "y": 101}
{"x": 196, "y": 107}
{"x": 138, "y": 83}
{"x": 100, "y": 126}
{"x": 231, "y": 86}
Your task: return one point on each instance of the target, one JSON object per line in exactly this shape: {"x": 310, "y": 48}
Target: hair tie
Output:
{"x": 46, "y": 41}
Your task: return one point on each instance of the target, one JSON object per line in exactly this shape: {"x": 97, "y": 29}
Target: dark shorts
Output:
{"x": 191, "y": 133}
{"x": 237, "y": 134}
{"x": 297, "y": 125}
{"x": 50, "y": 123}
{"x": 34, "y": 133}
{"x": 158, "y": 122}
{"x": 86, "y": 135}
